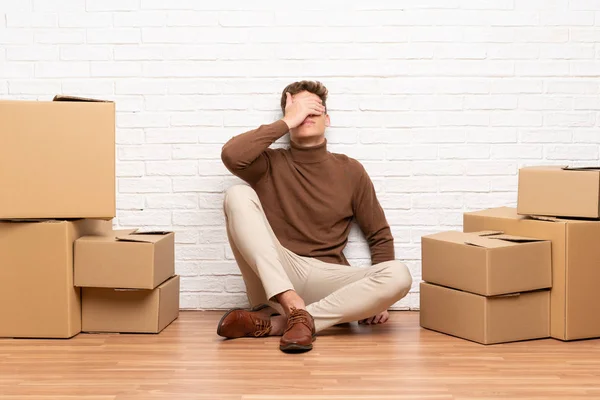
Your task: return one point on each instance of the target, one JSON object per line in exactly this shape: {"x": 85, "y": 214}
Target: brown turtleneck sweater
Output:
{"x": 310, "y": 195}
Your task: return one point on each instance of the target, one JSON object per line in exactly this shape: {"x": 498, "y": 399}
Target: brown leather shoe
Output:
{"x": 237, "y": 322}
{"x": 299, "y": 333}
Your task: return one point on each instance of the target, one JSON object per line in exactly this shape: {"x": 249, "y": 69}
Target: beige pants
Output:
{"x": 333, "y": 293}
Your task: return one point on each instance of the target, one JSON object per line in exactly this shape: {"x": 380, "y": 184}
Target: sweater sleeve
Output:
{"x": 371, "y": 219}
{"x": 245, "y": 155}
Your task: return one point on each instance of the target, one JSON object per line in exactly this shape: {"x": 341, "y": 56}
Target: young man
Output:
{"x": 288, "y": 228}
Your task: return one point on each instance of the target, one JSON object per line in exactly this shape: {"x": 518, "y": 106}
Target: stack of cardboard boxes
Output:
{"x": 57, "y": 173}
{"x": 559, "y": 205}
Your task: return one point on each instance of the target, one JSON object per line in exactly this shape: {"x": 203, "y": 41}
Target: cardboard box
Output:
{"x": 130, "y": 311}
{"x": 37, "y": 296}
{"x": 57, "y": 159}
{"x": 559, "y": 191}
{"x": 575, "y": 298}
{"x": 487, "y": 263}
{"x": 485, "y": 320}
{"x": 126, "y": 259}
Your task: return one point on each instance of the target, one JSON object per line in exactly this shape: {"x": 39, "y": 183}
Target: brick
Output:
{"x": 395, "y": 201}
{"x": 112, "y": 5}
{"x": 192, "y": 86}
{"x": 437, "y": 201}
{"x": 387, "y": 168}
{"x": 16, "y": 6}
{"x": 464, "y": 151}
{"x": 412, "y": 218}
{"x": 144, "y": 185}
{"x": 204, "y": 151}
{"x": 586, "y": 103}
{"x": 87, "y": 88}
{"x": 570, "y": 18}
{"x": 187, "y": 236}
{"x": 198, "y": 218}
{"x": 389, "y": 136}
{"x": 573, "y": 86}
{"x": 196, "y": 119}
{"x": 203, "y": 252}
{"x": 138, "y": 53}
{"x": 478, "y": 201}
{"x": 204, "y": 284}
{"x": 516, "y": 85}
{"x": 202, "y": 184}
{"x": 208, "y": 201}
{"x": 172, "y": 168}
{"x": 411, "y": 185}
{"x": 130, "y": 202}
{"x": 222, "y": 301}
{"x": 492, "y": 102}
{"x": 196, "y": 18}
{"x": 413, "y": 152}
{"x": 64, "y": 36}
{"x": 571, "y": 152}
{"x": 464, "y": 51}
{"x": 585, "y": 68}
{"x": 235, "y": 284}
{"x": 546, "y": 135}
{"x": 130, "y": 169}
{"x": 431, "y": 103}
{"x": 585, "y": 35}
{"x": 140, "y": 86}
{"x": 171, "y": 201}
{"x": 586, "y": 136}
{"x": 516, "y": 118}
{"x": 513, "y": 51}
{"x": 114, "y": 36}
{"x": 129, "y": 136}
{"x": 570, "y": 119}
{"x": 69, "y": 69}
{"x": 214, "y": 235}
{"x": 472, "y": 118}
{"x": 212, "y": 168}
{"x": 85, "y": 53}
{"x": 32, "y": 53}
{"x": 592, "y": 5}
{"x": 171, "y": 135}
{"x": 85, "y": 19}
{"x": 567, "y": 52}
{"x": 541, "y": 34}
{"x": 437, "y": 168}
{"x": 58, "y": 5}
{"x": 145, "y": 217}
{"x": 516, "y": 151}
{"x": 492, "y": 167}
{"x": 142, "y": 120}
{"x": 181, "y": 35}
{"x": 31, "y": 20}
{"x": 543, "y": 102}
{"x": 18, "y": 70}
{"x": 492, "y": 135}
{"x": 36, "y": 87}
{"x": 459, "y": 85}
{"x": 464, "y": 184}
{"x": 104, "y": 69}
{"x": 542, "y": 68}
{"x": 144, "y": 152}
{"x": 438, "y": 135}
{"x": 385, "y": 103}
{"x": 505, "y": 184}
{"x": 218, "y": 268}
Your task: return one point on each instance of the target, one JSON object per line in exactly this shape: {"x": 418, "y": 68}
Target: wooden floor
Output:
{"x": 398, "y": 360}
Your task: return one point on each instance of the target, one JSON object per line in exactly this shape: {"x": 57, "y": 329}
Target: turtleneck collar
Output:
{"x": 311, "y": 154}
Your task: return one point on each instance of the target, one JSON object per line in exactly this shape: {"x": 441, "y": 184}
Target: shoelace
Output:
{"x": 296, "y": 317}
{"x": 263, "y": 327}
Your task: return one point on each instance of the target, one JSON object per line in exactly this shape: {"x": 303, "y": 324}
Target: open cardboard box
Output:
{"x": 575, "y": 298}
{"x": 487, "y": 263}
{"x": 57, "y": 159}
{"x": 559, "y": 191}
{"x": 129, "y": 259}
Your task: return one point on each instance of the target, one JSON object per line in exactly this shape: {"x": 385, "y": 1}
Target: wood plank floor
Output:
{"x": 398, "y": 360}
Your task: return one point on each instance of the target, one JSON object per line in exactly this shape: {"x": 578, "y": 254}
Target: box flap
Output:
{"x": 60, "y": 97}
{"x": 493, "y": 240}
{"x": 544, "y": 218}
{"x": 143, "y": 237}
{"x": 516, "y": 239}
{"x": 581, "y": 168}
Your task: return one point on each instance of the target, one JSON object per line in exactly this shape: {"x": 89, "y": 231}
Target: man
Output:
{"x": 288, "y": 228}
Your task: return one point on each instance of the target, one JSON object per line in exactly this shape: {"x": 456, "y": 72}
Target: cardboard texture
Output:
{"x": 575, "y": 298}
{"x": 559, "y": 191}
{"x": 486, "y": 263}
{"x": 486, "y": 320}
{"x": 57, "y": 159}
{"x": 130, "y": 311}
{"x": 125, "y": 259}
{"x": 37, "y": 296}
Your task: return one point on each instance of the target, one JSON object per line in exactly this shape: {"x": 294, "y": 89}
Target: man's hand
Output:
{"x": 297, "y": 110}
{"x": 380, "y": 318}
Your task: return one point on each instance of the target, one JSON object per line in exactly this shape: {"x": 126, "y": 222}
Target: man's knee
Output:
{"x": 238, "y": 196}
{"x": 398, "y": 280}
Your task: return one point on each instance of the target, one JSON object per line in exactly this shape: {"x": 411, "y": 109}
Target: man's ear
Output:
{"x": 327, "y": 120}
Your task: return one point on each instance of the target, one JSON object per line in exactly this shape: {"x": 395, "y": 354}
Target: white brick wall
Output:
{"x": 442, "y": 100}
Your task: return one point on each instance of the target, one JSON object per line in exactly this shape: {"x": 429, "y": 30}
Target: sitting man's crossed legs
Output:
{"x": 279, "y": 282}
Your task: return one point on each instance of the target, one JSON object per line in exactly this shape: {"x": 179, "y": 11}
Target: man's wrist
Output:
{"x": 287, "y": 123}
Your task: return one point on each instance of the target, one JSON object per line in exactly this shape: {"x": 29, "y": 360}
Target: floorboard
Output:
{"x": 397, "y": 360}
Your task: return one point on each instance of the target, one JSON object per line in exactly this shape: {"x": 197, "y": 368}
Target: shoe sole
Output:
{"x": 296, "y": 348}
{"x": 257, "y": 308}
